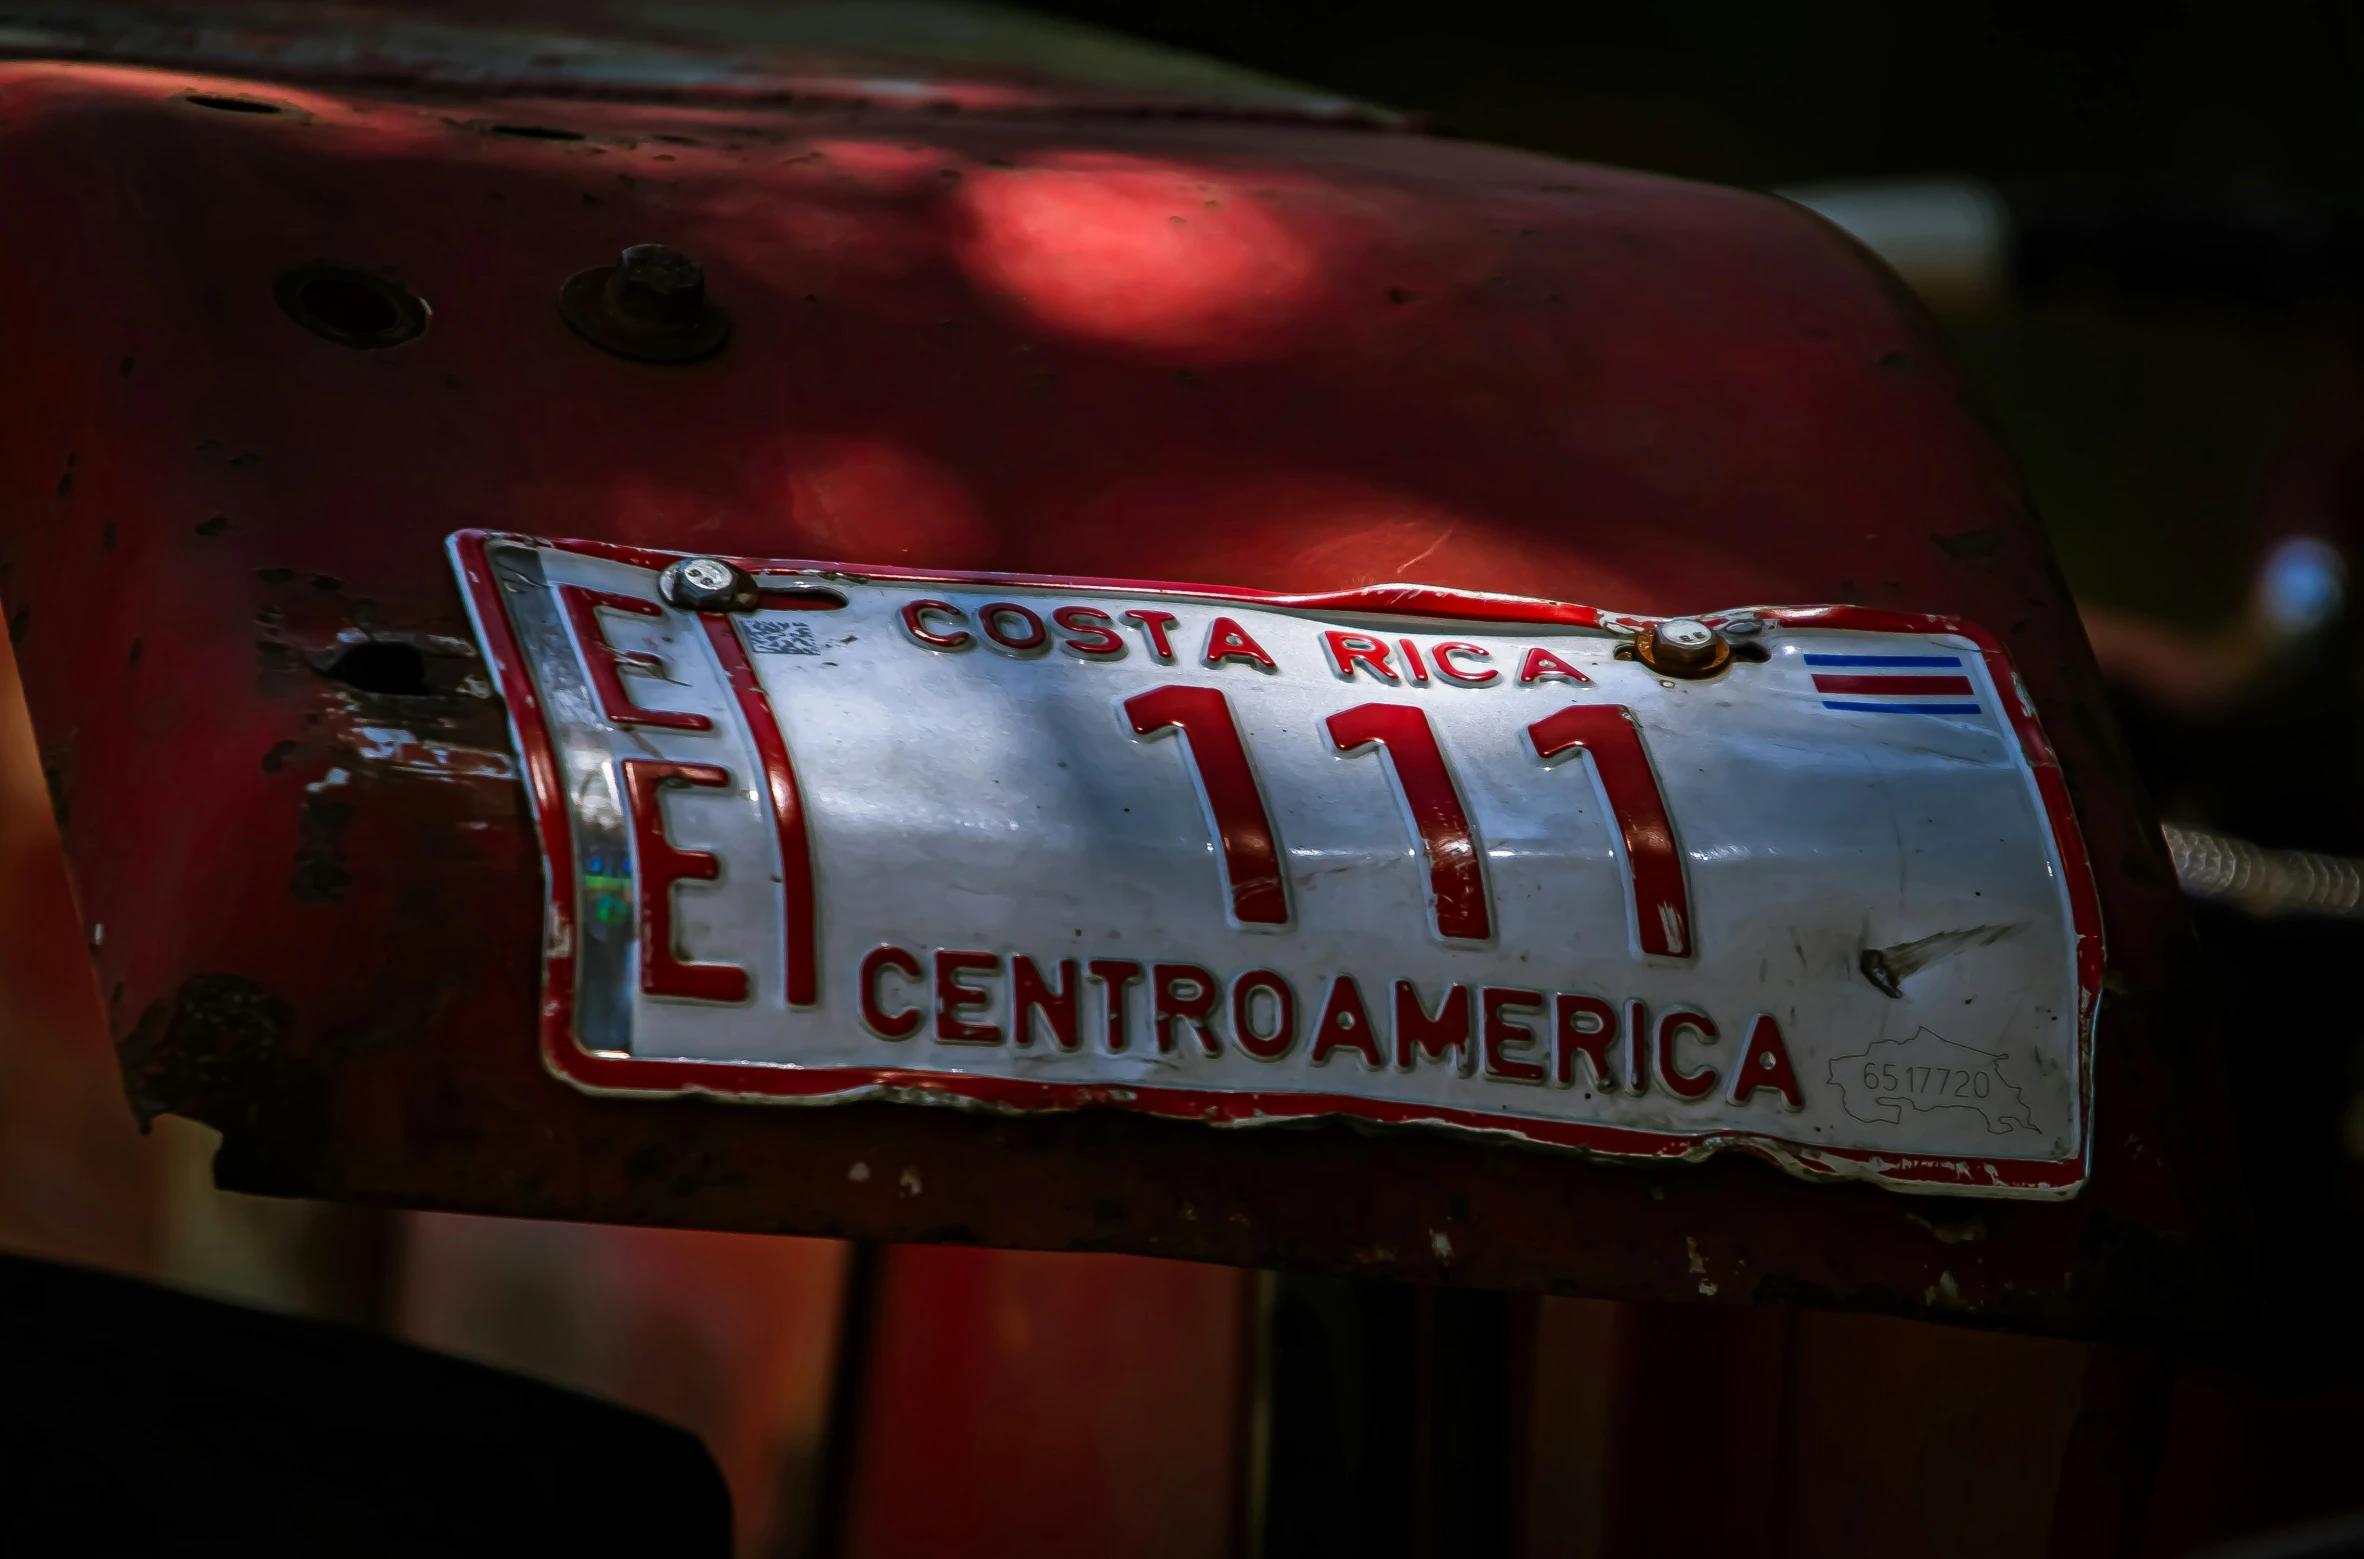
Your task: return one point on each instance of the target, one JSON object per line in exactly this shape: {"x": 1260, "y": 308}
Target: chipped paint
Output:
{"x": 397, "y": 748}
{"x": 1698, "y": 1269}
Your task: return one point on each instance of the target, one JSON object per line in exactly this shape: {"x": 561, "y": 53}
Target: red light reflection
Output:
{"x": 1124, "y": 250}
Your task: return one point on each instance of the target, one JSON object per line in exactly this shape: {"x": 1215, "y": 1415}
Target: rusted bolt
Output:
{"x": 1682, "y": 647}
{"x": 707, "y": 585}
{"x": 651, "y": 306}
{"x": 658, "y": 287}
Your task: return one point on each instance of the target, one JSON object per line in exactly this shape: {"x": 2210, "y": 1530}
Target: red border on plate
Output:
{"x": 612, "y": 1074}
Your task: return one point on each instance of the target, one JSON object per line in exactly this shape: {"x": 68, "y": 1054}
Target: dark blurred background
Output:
{"x": 1779, "y": 91}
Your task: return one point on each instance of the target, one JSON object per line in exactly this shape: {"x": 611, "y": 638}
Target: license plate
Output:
{"x": 1424, "y": 858}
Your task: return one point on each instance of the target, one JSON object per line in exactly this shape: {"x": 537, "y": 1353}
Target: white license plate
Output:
{"x": 1423, "y": 858}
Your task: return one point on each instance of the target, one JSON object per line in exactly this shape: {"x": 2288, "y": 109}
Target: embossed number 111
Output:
{"x": 1457, "y": 886}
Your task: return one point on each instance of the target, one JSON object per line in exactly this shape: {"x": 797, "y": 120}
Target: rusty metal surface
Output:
{"x": 1272, "y": 356}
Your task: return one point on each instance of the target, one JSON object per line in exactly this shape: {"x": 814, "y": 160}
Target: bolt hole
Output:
{"x": 537, "y": 132}
{"x": 810, "y": 599}
{"x": 351, "y": 307}
{"x": 379, "y": 667}
{"x": 230, "y": 105}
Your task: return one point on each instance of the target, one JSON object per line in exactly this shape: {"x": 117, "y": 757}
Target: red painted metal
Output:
{"x": 1229, "y": 349}
{"x": 1028, "y": 1404}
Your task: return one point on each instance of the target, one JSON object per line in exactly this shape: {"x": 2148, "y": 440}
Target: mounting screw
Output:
{"x": 1682, "y": 647}
{"x": 651, "y": 306}
{"x": 708, "y": 585}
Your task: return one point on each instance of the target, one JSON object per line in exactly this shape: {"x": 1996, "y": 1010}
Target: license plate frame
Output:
{"x": 1382, "y": 612}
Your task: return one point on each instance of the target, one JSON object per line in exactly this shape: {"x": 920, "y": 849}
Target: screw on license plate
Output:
{"x": 707, "y": 585}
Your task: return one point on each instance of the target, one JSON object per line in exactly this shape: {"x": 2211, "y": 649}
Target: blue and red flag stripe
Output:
{"x": 1896, "y": 684}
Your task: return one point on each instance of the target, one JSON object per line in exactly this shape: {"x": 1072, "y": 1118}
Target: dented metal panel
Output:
{"x": 1263, "y": 356}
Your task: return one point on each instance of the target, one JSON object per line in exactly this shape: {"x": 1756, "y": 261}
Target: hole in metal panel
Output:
{"x": 799, "y": 598}
{"x": 536, "y": 132}
{"x": 379, "y": 667}
{"x": 222, "y": 103}
{"x": 350, "y": 306}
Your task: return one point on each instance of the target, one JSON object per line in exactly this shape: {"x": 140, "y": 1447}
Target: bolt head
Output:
{"x": 707, "y": 585}
{"x": 1682, "y": 647}
{"x": 654, "y": 285}
{"x": 650, "y": 306}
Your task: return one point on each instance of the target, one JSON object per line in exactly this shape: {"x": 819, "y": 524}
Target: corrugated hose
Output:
{"x": 2258, "y": 881}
